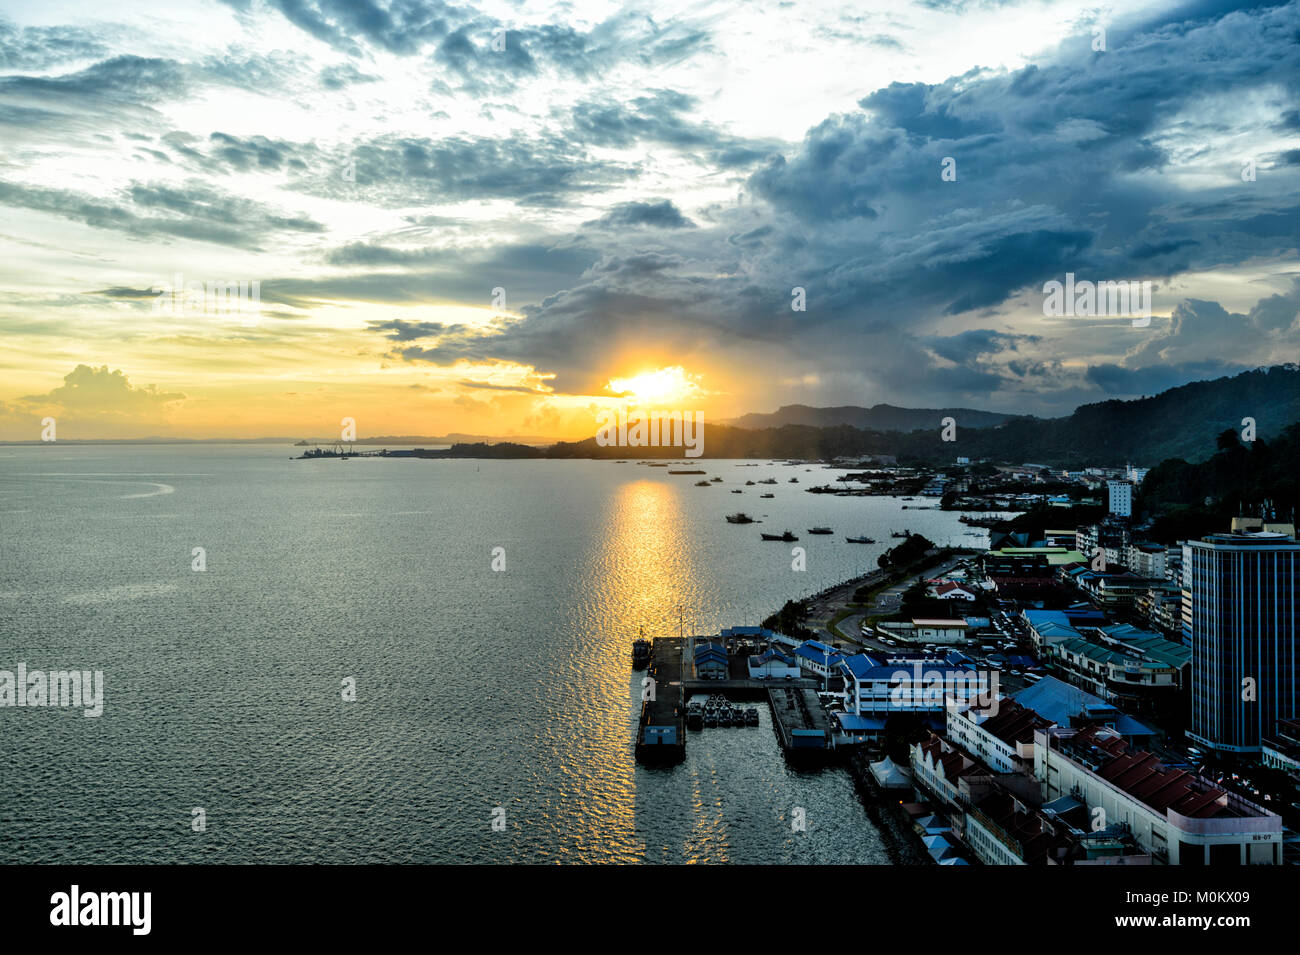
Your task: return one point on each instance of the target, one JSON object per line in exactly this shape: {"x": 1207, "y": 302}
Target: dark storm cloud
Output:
{"x": 661, "y": 214}
{"x": 1117, "y": 380}
{"x": 662, "y": 117}
{"x": 402, "y": 331}
{"x": 488, "y": 386}
{"x": 976, "y": 343}
{"x": 397, "y": 171}
{"x": 527, "y": 273}
{"x": 196, "y": 211}
{"x": 1060, "y": 167}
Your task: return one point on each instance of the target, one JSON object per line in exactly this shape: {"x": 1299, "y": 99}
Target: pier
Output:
{"x": 661, "y": 730}
{"x": 800, "y": 723}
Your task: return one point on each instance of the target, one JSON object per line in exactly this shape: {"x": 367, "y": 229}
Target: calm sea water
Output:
{"x": 476, "y": 689}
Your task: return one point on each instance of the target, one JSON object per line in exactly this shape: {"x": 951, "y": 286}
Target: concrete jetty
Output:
{"x": 661, "y": 730}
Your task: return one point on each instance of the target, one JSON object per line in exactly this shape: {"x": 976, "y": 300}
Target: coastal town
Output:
{"x": 1073, "y": 693}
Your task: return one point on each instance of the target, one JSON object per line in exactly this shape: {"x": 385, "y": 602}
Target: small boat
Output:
{"x": 860, "y": 540}
{"x": 749, "y": 484}
{"x": 820, "y": 530}
{"x": 687, "y": 472}
{"x": 739, "y": 518}
{"x": 715, "y": 480}
{"x": 702, "y": 484}
{"x": 640, "y": 653}
{"x": 898, "y": 534}
{"x": 737, "y": 491}
{"x": 794, "y": 480}
{"x": 768, "y": 481}
{"x": 695, "y": 716}
{"x": 787, "y": 537}
{"x": 767, "y": 495}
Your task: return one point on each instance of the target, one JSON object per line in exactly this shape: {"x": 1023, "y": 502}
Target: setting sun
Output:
{"x": 660, "y": 386}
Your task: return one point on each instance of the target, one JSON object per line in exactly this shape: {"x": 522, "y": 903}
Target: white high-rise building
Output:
{"x": 1121, "y": 498}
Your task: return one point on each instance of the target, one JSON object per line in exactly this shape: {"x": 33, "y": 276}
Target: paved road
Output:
{"x": 822, "y": 609}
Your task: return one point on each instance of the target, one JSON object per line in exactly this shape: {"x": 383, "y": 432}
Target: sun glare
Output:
{"x": 657, "y": 387}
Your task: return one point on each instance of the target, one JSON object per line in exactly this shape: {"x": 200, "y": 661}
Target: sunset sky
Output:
{"x": 644, "y": 184}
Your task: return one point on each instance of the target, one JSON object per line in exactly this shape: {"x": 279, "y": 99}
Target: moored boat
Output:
{"x": 640, "y": 653}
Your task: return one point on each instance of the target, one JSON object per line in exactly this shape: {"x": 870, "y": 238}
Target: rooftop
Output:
{"x": 1142, "y": 776}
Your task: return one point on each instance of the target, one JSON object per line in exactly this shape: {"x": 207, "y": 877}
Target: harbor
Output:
{"x": 679, "y": 667}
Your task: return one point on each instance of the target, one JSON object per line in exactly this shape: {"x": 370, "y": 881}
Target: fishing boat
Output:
{"x": 640, "y": 653}
{"x": 739, "y": 518}
{"x": 695, "y": 716}
{"x": 787, "y": 537}
{"x": 860, "y": 540}
{"x": 768, "y": 481}
{"x": 767, "y": 495}
{"x": 687, "y": 472}
{"x": 751, "y": 717}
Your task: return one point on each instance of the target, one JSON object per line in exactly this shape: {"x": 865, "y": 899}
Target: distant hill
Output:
{"x": 1183, "y": 422}
{"x": 876, "y": 418}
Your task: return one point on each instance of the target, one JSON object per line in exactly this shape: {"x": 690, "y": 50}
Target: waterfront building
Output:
{"x": 1001, "y": 735}
{"x": 878, "y": 686}
{"x": 710, "y": 661}
{"x": 1004, "y": 830}
{"x": 817, "y": 658}
{"x": 773, "y": 664}
{"x": 1178, "y": 817}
